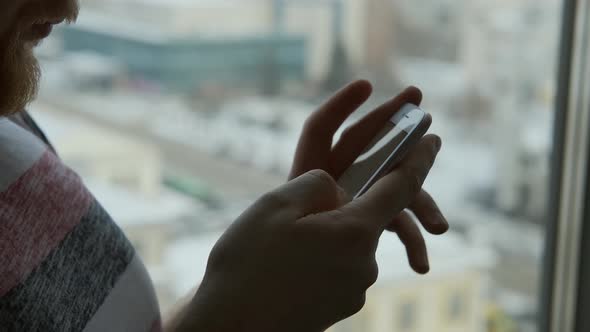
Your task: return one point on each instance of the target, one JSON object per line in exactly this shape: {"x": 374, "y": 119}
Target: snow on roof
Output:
{"x": 61, "y": 129}
{"x": 129, "y": 208}
{"x": 449, "y": 254}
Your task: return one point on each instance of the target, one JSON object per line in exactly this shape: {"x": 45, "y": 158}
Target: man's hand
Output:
{"x": 317, "y": 151}
{"x": 302, "y": 257}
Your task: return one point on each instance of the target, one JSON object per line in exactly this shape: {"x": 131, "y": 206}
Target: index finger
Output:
{"x": 395, "y": 191}
{"x": 358, "y": 136}
{"x": 323, "y": 123}
{"x": 319, "y": 129}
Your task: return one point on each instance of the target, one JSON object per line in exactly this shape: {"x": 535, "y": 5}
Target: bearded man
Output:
{"x": 299, "y": 259}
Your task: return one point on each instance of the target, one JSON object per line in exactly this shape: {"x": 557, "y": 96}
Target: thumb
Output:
{"x": 313, "y": 192}
{"x": 394, "y": 192}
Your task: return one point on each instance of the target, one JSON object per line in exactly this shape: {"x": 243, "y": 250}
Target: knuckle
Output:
{"x": 367, "y": 273}
{"x": 275, "y": 200}
{"x": 311, "y": 124}
{"x": 219, "y": 256}
{"x": 348, "y": 132}
{"x": 323, "y": 177}
{"x": 360, "y": 235}
{"x": 413, "y": 179}
{"x": 430, "y": 151}
{"x": 355, "y": 305}
{"x": 371, "y": 273}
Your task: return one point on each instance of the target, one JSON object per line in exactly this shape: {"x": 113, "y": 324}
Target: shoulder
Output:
{"x": 65, "y": 264}
{"x": 19, "y": 151}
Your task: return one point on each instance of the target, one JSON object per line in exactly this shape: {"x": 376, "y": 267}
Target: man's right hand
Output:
{"x": 302, "y": 257}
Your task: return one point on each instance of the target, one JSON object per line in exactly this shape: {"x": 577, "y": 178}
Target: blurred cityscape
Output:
{"x": 180, "y": 113}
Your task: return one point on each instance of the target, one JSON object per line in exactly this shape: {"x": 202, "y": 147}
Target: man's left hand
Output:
{"x": 316, "y": 150}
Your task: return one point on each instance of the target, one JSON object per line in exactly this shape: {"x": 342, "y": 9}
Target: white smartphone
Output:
{"x": 386, "y": 150}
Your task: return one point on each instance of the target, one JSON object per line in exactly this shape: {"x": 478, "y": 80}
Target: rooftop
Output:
{"x": 73, "y": 137}
{"x": 131, "y": 209}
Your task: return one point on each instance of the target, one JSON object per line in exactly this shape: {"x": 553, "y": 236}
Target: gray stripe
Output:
{"x": 67, "y": 289}
{"x": 19, "y": 150}
{"x": 131, "y": 306}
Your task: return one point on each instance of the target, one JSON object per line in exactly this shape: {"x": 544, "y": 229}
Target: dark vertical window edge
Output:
{"x": 583, "y": 300}
{"x": 556, "y": 160}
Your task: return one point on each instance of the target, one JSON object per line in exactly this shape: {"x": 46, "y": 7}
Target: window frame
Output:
{"x": 563, "y": 295}
{"x": 582, "y": 319}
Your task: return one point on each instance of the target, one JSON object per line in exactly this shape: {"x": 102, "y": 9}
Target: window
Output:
{"x": 407, "y": 316}
{"x": 457, "y": 307}
{"x": 206, "y": 118}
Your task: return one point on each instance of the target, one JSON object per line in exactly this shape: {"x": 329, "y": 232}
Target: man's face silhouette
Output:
{"x": 23, "y": 24}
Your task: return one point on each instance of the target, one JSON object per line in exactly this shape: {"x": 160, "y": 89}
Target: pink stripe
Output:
{"x": 156, "y": 326}
{"x": 36, "y": 213}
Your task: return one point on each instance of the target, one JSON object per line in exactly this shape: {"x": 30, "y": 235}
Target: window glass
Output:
{"x": 178, "y": 123}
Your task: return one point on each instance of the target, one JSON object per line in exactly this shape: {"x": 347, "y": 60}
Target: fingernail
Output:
{"x": 438, "y": 144}
{"x": 425, "y": 266}
{"x": 408, "y": 88}
{"x": 438, "y": 219}
{"x": 443, "y": 220}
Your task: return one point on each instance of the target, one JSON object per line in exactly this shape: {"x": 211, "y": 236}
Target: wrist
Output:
{"x": 210, "y": 312}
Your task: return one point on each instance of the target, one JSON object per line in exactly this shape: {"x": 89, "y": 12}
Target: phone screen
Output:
{"x": 392, "y": 135}
{"x": 380, "y": 152}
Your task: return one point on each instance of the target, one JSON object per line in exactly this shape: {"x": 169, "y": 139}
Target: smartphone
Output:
{"x": 386, "y": 151}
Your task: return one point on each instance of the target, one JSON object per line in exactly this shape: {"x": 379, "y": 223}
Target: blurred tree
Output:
{"x": 270, "y": 74}
{"x": 340, "y": 71}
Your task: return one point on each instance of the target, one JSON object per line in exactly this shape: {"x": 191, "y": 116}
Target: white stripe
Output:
{"x": 19, "y": 150}
{"x": 131, "y": 306}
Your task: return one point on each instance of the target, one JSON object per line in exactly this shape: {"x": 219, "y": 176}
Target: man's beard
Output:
{"x": 19, "y": 69}
{"x": 19, "y": 74}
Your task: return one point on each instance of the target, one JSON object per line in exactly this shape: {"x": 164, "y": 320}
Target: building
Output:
{"x": 103, "y": 154}
{"x": 363, "y": 28}
{"x": 502, "y": 42}
{"x": 493, "y": 65}
{"x": 452, "y": 297}
{"x": 509, "y": 51}
{"x": 180, "y": 63}
{"x": 428, "y": 29}
{"x": 183, "y": 44}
